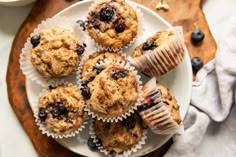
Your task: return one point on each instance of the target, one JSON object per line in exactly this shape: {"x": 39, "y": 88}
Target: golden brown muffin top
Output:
{"x": 114, "y": 91}
{"x": 61, "y": 109}
{"x": 112, "y": 23}
{"x": 56, "y": 55}
{"x": 120, "y": 136}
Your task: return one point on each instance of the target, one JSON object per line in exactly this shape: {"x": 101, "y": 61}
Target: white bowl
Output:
{"x": 15, "y": 2}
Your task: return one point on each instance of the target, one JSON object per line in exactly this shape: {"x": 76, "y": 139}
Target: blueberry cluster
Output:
{"x": 57, "y": 109}
{"x": 119, "y": 73}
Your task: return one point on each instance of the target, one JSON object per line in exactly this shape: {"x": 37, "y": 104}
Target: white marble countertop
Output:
{"x": 14, "y": 142}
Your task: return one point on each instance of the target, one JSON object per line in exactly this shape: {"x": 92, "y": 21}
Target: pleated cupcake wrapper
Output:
{"x": 141, "y": 28}
{"x": 126, "y": 65}
{"x": 158, "y": 117}
{"x": 25, "y": 60}
{"x": 41, "y": 125}
{"x": 163, "y": 58}
{"x": 125, "y": 153}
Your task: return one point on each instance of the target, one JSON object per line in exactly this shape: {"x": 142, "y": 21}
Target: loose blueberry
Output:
{"x": 85, "y": 91}
{"x": 35, "y": 40}
{"x": 129, "y": 122}
{"x": 197, "y": 36}
{"x": 149, "y": 45}
{"x": 119, "y": 74}
{"x": 79, "y": 49}
{"x": 119, "y": 27}
{"x": 42, "y": 114}
{"x": 106, "y": 13}
{"x": 81, "y": 24}
{"x": 197, "y": 64}
{"x": 92, "y": 145}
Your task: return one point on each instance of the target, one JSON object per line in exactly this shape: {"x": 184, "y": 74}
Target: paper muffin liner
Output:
{"x": 25, "y": 59}
{"x": 125, "y": 153}
{"x": 41, "y": 125}
{"x": 158, "y": 117}
{"x": 141, "y": 29}
{"x": 124, "y": 64}
{"x": 163, "y": 58}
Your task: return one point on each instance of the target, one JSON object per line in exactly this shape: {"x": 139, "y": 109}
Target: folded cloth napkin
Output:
{"x": 210, "y": 129}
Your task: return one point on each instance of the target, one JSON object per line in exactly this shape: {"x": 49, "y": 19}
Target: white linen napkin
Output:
{"x": 209, "y": 130}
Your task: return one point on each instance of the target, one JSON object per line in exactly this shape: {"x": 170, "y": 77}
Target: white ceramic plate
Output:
{"x": 178, "y": 81}
{"x": 15, "y": 2}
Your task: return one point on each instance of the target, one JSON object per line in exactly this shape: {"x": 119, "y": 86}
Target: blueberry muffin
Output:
{"x": 112, "y": 23}
{"x": 60, "y": 109}
{"x": 90, "y": 65}
{"x": 160, "y": 110}
{"x": 116, "y": 138}
{"x": 55, "y": 52}
{"x": 160, "y": 53}
{"x": 112, "y": 92}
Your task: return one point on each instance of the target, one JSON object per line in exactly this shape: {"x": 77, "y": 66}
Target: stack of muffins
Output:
{"x": 108, "y": 89}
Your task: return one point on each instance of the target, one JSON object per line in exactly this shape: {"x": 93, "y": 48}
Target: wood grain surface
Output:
{"x": 186, "y": 13}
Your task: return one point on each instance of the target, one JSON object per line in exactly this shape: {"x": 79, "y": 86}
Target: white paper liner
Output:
{"x": 42, "y": 127}
{"x": 141, "y": 29}
{"x": 125, "y": 153}
{"x": 158, "y": 117}
{"x": 124, "y": 64}
{"x": 163, "y": 58}
{"x": 25, "y": 60}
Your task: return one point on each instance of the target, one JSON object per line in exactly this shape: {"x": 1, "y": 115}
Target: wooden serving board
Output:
{"x": 187, "y": 13}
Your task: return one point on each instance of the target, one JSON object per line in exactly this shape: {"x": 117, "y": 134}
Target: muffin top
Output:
{"x": 57, "y": 54}
{"x": 61, "y": 109}
{"x": 121, "y": 136}
{"x": 90, "y": 69}
{"x": 112, "y": 23}
{"x": 111, "y": 93}
{"x": 153, "y": 42}
{"x": 170, "y": 101}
